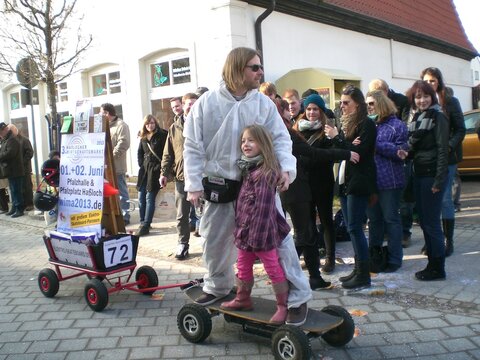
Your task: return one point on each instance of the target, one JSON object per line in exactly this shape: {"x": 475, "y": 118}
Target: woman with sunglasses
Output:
{"x": 149, "y": 155}
{"x": 384, "y": 216}
{"x": 320, "y": 173}
{"x": 357, "y": 182}
{"x": 456, "y": 130}
{"x": 428, "y": 141}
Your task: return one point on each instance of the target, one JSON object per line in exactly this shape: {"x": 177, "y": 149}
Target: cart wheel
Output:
{"x": 96, "y": 294}
{"x": 343, "y": 333}
{"x": 194, "y": 323}
{"x": 48, "y": 282}
{"x": 148, "y": 278}
{"x": 290, "y": 342}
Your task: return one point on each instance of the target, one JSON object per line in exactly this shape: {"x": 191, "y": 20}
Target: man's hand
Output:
{"x": 194, "y": 197}
{"x": 163, "y": 181}
{"x": 284, "y": 182}
{"x": 330, "y": 131}
{"x": 402, "y": 154}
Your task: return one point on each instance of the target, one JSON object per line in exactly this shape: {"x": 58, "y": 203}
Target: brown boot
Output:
{"x": 242, "y": 301}
{"x": 281, "y": 293}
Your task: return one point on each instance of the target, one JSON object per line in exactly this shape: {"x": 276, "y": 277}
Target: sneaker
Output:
{"x": 297, "y": 316}
{"x": 406, "y": 241}
{"x": 207, "y": 299}
{"x": 143, "y": 230}
{"x": 182, "y": 251}
{"x": 318, "y": 283}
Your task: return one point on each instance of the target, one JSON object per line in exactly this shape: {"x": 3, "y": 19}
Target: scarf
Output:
{"x": 246, "y": 163}
{"x": 422, "y": 123}
{"x": 304, "y": 125}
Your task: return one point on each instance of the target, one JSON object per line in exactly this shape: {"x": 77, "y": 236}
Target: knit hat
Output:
{"x": 315, "y": 99}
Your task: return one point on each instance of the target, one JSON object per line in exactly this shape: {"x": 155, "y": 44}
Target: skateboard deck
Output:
{"x": 263, "y": 309}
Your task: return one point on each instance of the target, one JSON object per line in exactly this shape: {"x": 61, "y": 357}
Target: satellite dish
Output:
{"x": 27, "y": 72}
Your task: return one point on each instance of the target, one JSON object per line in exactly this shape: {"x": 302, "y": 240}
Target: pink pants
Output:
{"x": 269, "y": 260}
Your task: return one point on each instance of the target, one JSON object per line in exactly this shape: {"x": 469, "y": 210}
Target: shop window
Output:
{"x": 171, "y": 72}
{"x": 114, "y": 82}
{"x": 61, "y": 92}
{"x": 15, "y": 101}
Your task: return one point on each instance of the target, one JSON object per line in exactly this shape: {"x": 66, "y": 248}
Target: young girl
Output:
{"x": 259, "y": 226}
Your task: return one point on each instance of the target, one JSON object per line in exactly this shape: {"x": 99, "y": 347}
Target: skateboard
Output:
{"x": 333, "y": 323}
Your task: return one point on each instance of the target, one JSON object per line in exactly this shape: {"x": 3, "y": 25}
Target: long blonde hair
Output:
{"x": 234, "y": 66}
{"x": 269, "y": 166}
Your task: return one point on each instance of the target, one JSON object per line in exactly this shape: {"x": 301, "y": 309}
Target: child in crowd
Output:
{"x": 259, "y": 226}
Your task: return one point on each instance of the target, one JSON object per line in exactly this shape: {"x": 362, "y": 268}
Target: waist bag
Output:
{"x": 220, "y": 190}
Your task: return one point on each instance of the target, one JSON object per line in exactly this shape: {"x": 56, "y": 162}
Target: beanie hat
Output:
{"x": 315, "y": 99}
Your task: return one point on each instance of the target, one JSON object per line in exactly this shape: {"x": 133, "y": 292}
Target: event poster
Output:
{"x": 80, "y": 202}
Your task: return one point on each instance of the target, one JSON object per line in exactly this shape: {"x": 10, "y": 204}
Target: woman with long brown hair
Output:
{"x": 357, "y": 182}
{"x": 149, "y": 156}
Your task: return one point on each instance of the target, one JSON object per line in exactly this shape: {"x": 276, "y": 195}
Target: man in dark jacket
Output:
{"x": 27, "y": 153}
{"x": 400, "y": 100}
{"x": 11, "y": 160}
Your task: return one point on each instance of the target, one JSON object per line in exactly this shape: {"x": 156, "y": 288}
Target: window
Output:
{"x": 104, "y": 84}
{"x": 61, "y": 92}
{"x": 476, "y": 75}
{"x": 14, "y": 101}
{"x": 171, "y": 72}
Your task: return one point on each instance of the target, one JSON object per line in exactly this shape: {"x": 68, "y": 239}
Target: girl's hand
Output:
{"x": 357, "y": 141}
{"x": 194, "y": 197}
{"x": 402, "y": 154}
{"x": 435, "y": 190}
{"x": 283, "y": 182}
{"x": 330, "y": 131}
{"x": 354, "y": 157}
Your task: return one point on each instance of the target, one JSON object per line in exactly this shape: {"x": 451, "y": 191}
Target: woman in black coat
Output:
{"x": 149, "y": 157}
{"x": 357, "y": 182}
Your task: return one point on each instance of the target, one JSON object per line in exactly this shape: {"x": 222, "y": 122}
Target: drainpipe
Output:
{"x": 258, "y": 30}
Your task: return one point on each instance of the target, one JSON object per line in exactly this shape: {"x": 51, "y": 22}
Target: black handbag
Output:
{"x": 220, "y": 190}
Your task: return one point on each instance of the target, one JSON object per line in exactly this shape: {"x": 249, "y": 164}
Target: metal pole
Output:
{"x": 35, "y": 156}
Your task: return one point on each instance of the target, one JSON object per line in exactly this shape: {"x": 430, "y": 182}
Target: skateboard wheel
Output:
{"x": 194, "y": 323}
{"x": 96, "y": 294}
{"x": 290, "y": 342}
{"x": 343, "y": 333}
{"x": 148, "y": 278}
{"x": 48, "y": 282}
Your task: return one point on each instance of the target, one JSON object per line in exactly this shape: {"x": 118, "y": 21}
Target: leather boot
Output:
{"x": 242, "y": 300}
{"x": 329, "y": 265}
{"x": 448, "y": 228}
{"x": 435, "y": 270}
{"x": 361, "y": 277}
{"x": 281, "y": 293}
{"x": 11, "y": 211}
{"x": 352, "y": 274}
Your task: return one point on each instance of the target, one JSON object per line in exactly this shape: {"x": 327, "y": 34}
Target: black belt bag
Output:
{"x": 220, "y": 190}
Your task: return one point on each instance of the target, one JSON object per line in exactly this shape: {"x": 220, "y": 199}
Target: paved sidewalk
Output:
{"x": 412, "y": 320}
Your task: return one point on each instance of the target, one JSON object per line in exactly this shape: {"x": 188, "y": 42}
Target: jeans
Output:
{"x": 429, "y": 207}
{"x": 16, "y": 192}
{"x": 448, "y": 208}
{"x": 123, "y": 189}
{"x": 354, "y": 210}
{"x": 146, "y": 200}
{"x": 384, "y": 218}
{"x": 183, "y": 207}
{"x": 406, "y": 208}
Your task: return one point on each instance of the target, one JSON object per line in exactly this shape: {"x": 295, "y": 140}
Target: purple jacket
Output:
{"x": 392, "y": 135}
{"x": 259, "y": 226}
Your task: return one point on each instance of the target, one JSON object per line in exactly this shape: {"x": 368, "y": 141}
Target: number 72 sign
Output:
{"x": 117, "y": 251}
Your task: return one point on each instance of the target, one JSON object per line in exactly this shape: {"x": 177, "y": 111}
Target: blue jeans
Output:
{"x": 123, "y": 189}
{"x": 16, "y": 192}
{"x": 448, "y": 208}
{"x": 429, "y": 207}
{"x": 384, "y": 218}
{"x": 146, "y": 200}
{"x": 406, "y": 208}
{"x": 354, "y": 210}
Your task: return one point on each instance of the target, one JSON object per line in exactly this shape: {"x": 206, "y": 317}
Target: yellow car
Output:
{"x": 471, "y": 144}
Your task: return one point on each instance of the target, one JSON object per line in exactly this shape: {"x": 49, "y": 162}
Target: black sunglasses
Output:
{"x": 255, "y": 67}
